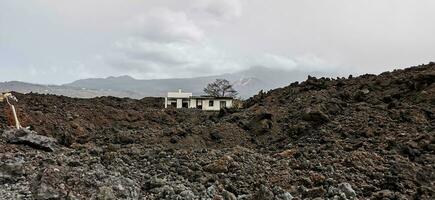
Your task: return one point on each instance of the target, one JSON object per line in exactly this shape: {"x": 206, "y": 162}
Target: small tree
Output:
{"x": 220, "y": 88}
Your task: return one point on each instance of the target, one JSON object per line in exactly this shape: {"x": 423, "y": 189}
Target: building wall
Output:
{"x": 230, "y": 103}
{"x": 192, "y": 103}
{"x": 179, "y": 103}
{"x": 216, "y": 104}
{"x": 169, "y": 101}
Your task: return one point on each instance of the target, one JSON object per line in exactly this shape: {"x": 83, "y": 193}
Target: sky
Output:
{"x": 59, "y": 41}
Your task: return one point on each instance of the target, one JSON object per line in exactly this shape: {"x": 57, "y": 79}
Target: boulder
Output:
{"x": 30, "y": 138}
{"x": 384, "y": 194}
{"x": 45, "y": 191}
{"x": 219, "y": 166}
{"x": 289, "y": 153}
{"x": 188, "y": 195}
{"x": 49, "y": 183}
{"x": 314, "y": 192}
{"x": 315, "y": 115}
{"x": 10, "y": 171}
{"x": 281, "y": 194}
{"x": 106, "y": 193}
{"x": 263, "y": 193}
{"x": 228, "y": 195}
{"x": 261, "y": 123}
{"x": 346, "y": 188}
{"x": 155, "y": 182}
{"x": 216, "y": 137}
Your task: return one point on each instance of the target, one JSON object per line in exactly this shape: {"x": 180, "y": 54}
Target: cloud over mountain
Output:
{"x": 67, "y": 40}
{"x": 165, "y": 41}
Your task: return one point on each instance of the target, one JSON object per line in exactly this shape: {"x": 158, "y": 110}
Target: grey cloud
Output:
{"x": 219, "y": 10}
{"x": 161, "y": 53}
{"x": 176, "y": 59}
{"x": 164, "y": 25}
{"x": 171, "y": 42}
{"x": 175, "y": 38}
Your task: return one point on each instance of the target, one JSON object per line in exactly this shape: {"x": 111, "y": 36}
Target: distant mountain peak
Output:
{"x": 123, "y": 77}
{"x": 243, "y": 81}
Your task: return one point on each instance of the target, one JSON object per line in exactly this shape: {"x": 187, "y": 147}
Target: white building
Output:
{"x": 187, "y": 100}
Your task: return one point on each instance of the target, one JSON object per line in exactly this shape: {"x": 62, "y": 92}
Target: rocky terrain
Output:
{"x": 367, "y": 137}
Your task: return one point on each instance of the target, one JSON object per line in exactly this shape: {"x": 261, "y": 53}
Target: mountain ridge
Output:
{"x": 248, "y": 83}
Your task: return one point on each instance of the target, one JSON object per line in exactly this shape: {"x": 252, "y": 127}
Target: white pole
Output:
{"x": 166, "y": 102}
{"x": 17, "y": 123}
{"x": 14, "y": 112}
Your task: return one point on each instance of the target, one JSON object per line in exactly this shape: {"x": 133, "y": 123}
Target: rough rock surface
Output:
{"x": 355, "y": 138}
{"x": 30, "y": 138}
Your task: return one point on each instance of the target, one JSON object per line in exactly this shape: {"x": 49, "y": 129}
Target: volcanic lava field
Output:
{"x": 366, "y": 137}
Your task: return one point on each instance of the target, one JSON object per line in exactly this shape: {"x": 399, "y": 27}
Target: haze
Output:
{"x": 59, "y": 41}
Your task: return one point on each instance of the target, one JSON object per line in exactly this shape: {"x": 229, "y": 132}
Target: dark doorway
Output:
{"x": 173, "y": 104}
{"x": 223, "y": 104}
{"x": 185, "y": 105}
{"x": 199, "y": 104}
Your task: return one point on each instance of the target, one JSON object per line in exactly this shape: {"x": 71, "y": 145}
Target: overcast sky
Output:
{"x": 59, "y": 41}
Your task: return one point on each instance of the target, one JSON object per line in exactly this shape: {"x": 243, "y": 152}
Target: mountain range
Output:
{"x": 247, "y": 83}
